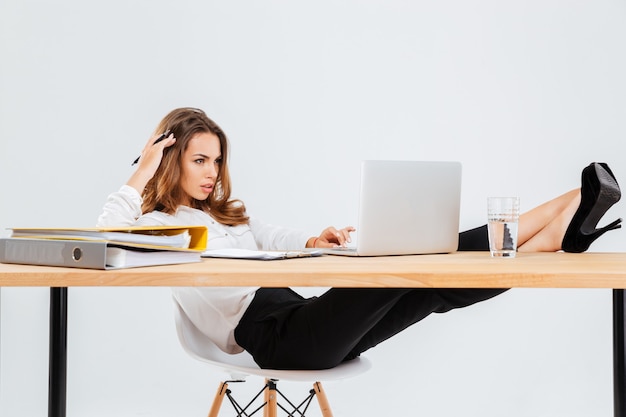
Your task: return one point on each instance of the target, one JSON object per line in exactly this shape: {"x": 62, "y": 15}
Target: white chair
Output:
{"x": 241, "y": 365}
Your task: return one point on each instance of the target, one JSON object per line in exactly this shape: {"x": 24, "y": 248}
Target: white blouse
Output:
{"x": 216, "y": 311}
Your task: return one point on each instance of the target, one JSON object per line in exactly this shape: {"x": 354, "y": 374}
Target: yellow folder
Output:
{"x": 181, "y": 238}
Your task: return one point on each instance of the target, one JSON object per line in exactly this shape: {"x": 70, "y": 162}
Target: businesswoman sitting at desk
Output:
{"x": 183, "y": 179}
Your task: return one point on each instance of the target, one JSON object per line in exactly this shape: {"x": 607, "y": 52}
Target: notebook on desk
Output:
{"x": 407, "y": 208}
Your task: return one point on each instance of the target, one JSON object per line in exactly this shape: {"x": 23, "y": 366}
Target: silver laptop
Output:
{"x": 407, "y": 208}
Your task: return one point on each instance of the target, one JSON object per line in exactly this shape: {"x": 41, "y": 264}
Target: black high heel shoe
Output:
{"x": 599, "y": 192}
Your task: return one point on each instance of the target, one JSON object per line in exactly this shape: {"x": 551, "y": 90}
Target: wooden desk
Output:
{"x": 460, "y": 270}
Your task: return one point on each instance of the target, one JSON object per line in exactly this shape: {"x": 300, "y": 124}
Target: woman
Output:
{"x": 183, "y": 179}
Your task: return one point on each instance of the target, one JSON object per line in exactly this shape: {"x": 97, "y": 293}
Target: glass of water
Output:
{"x": 502, "y": 219}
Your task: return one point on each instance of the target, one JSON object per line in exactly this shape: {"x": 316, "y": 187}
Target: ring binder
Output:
{"x": 104, "y": 248}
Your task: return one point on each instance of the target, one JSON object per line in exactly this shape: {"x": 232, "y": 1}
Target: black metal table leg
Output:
{"x": 57, "y": 378}
{"x": 619, "y": 354}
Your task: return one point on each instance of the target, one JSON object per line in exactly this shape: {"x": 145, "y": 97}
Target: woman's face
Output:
{"x": 200, "y": 165}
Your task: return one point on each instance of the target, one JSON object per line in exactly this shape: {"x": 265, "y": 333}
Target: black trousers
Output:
{"x": 283, "y": 330}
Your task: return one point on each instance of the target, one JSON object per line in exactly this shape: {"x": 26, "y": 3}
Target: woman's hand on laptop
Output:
{"x": 331, "y": 238}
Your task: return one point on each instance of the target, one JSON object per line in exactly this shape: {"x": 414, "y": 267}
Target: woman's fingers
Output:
{"x": 336, "y": 237}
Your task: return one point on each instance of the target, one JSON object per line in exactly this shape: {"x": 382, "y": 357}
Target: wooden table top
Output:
{"x": 461, "y": 269}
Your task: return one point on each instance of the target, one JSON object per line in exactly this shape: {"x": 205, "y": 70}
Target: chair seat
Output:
{"x": 200, "y": 347}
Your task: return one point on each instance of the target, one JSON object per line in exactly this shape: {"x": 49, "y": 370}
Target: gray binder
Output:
{"x": 86, "y": 254}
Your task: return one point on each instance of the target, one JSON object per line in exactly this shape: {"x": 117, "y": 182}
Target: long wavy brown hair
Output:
{"x": 164, "y": 193}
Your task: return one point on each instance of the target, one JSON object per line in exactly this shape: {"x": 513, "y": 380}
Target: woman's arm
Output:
{"x": 271, "y": 237}
{"x": 123, "y": 207}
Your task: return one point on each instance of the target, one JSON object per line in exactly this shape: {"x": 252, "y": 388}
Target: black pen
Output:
{"x": 159, "y": 139}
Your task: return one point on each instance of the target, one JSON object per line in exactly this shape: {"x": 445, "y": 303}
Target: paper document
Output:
{"x": 235, "y": 253}
{"x": 117, "y": 257}
{"x": 170, "y": 237}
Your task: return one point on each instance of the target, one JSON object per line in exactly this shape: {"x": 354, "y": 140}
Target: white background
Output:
{"x": 524, "y": 94}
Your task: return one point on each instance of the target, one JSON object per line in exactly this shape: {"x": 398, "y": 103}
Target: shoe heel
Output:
{"x": 612, "y": 226}
{"x": 599, "y": 232}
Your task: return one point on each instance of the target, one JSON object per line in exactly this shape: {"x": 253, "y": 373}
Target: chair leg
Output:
{"x": 271, "y": 408}
{"x": 219, "y": 397}
{"x": 270, "y": 394}
{"x": 266, "y": 398}
{"x": 322, "y": 400}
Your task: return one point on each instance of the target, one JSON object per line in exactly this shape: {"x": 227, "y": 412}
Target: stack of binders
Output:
{"x": 104, "y": 248}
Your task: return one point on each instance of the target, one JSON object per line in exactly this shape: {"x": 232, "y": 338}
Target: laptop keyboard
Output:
{"x": 344, "y": 249}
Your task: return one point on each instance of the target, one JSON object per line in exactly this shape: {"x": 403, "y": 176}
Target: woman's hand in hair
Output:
{"x": 149, "y": 161}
